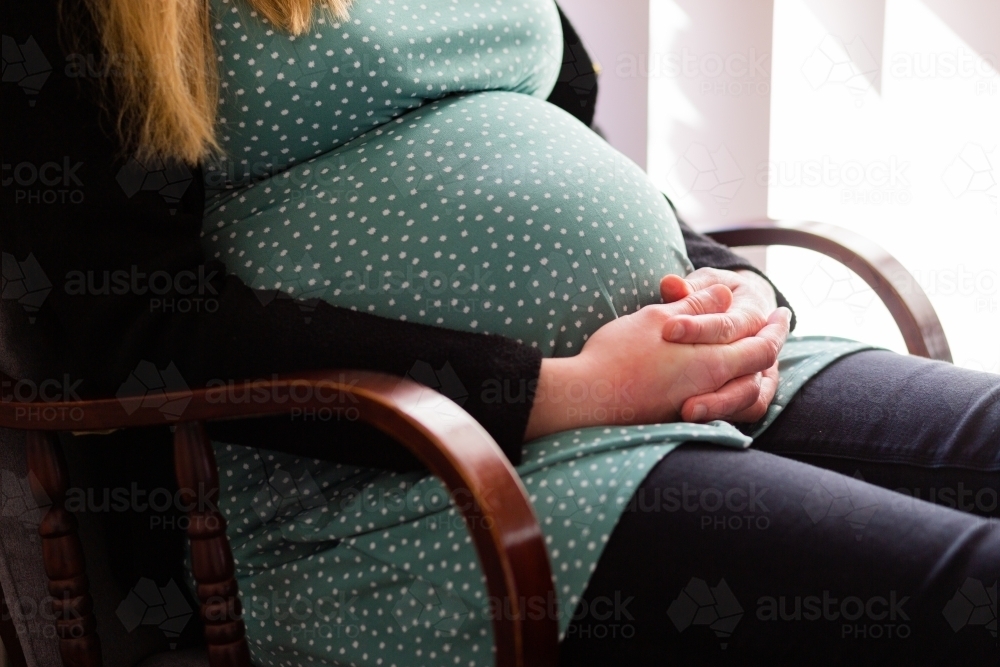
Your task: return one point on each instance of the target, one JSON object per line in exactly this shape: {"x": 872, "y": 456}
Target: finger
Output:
{"x": 674, "y": 288}
{"x": 702, "y": 278}
{"x": 722, "y": 328}
{"x": 757, "y": 353}
{"x": 768, "y": 388}
{"x": 731, "y": 399}
{"x": 715, "y": 299}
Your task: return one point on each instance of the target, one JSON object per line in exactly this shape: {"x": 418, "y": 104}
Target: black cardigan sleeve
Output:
{"x": 107, "y": 289}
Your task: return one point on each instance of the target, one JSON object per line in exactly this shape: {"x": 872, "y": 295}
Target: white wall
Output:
{"x": 710, "y": 84}
{"x": 617, "y": 32}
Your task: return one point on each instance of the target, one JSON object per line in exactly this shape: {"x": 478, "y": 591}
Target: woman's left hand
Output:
{"x": 753, "y": 302}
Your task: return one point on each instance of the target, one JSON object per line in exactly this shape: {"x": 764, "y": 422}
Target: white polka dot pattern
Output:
{"x": 285, "y": 99}
{"x": 494, "y": 212}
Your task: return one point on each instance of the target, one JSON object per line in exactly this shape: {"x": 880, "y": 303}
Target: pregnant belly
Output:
{"x": 493, "y": 212}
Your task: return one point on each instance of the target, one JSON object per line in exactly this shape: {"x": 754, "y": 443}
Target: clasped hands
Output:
{"x": 709, "y": 351}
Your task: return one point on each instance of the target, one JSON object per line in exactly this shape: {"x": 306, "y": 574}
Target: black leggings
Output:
{"x": 861, "y": 529}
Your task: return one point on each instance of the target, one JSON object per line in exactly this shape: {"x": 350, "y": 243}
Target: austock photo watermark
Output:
{"x": 165, "y": 390}
{"x": 706, "y": 171}
{"x": 422, "y": 605}
{"x": 735, "y": 74}
{"x": 873, "y": 182}
{"x": 829, "y": 282}
{"x": 880, "y": 616}
{"x": 447, "y": 168}
{"x": 53, "y": 182}
{"x": 975, "y": 172}
{"x": 851, "y": 501}
{"x": 25, "y": 282}
{"x": 466, "y": 289}
{"x": 851, "y": 64}
{"x": 167, "y": 508}
{"x": 25, "y": 65}
{"x": 192, "y": 290}
{"x": 289, "y": 494}
{"x": 167, "y": 608}
{"x": 980, "y": 70}
{"x": 580, "y": 494}
{"x": 61, "y": 180}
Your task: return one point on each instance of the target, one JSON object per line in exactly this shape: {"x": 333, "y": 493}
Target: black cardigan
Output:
{"x": 76, "y": 210}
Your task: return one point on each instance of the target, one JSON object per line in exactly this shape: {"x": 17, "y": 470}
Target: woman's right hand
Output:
{"x": 627, "y": 373}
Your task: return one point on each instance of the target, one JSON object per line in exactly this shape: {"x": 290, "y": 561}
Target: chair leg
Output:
{"x": 62, "y": 554}
{"x": 211, "y": 557}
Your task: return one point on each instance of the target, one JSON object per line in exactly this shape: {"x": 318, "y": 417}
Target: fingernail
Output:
{"x": 677, "y": 332}
{"x": 699, "y": 412}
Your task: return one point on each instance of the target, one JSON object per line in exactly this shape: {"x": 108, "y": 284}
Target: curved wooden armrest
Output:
{"x": 442, "y": 435}
{"x": 899, "y": 291}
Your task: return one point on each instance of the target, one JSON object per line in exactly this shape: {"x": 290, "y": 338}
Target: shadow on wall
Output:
{"x": 857, "y": 27}
{"x": 975, "y": 22}
{"x": 710, "y": 89}
{"x": 613, "y": 33}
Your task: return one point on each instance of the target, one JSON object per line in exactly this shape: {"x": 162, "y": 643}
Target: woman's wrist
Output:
{"x": 553, "y": 409}
{"x": 761, "y": 286}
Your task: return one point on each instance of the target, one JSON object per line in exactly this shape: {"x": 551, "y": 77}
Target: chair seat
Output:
{"x": 188, "y": 658}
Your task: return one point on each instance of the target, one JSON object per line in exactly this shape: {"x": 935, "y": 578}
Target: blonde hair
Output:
{"x": 166, "y": 91}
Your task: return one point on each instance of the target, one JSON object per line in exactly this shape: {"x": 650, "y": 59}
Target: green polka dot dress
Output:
{"x": 405, "y": 163}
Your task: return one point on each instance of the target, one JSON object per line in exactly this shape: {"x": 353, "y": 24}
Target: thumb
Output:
{"x": 674, "y": 288}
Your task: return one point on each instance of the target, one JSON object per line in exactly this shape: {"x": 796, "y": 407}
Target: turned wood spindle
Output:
{"x": 62, "y": 554}
{"x": 211, "y": 557}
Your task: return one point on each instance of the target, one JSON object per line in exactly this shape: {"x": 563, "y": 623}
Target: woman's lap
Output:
{"x": 927, "y": 429}
{"x": 773, "y": 528}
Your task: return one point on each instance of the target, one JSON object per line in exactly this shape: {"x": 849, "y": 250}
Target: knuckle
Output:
{"x": 727, "y": 328}
{"x": 699, "y": 300}
{"x": 653, "y": 314}
{"x": 756, "y": 321}
{"x": 771, "y": 349}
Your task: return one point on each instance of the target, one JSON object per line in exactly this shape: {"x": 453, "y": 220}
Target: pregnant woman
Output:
{"x": 419, "y": 174}
{"x": 399, "y": 159}
{"x": 403, "y": 161}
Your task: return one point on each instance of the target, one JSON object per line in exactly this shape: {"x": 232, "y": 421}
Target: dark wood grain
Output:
{"x": 448, "y": 440}
{"x": 62, "y": 555}
{"x": 895, "y": 286}
{"x": 211, "y": 557}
